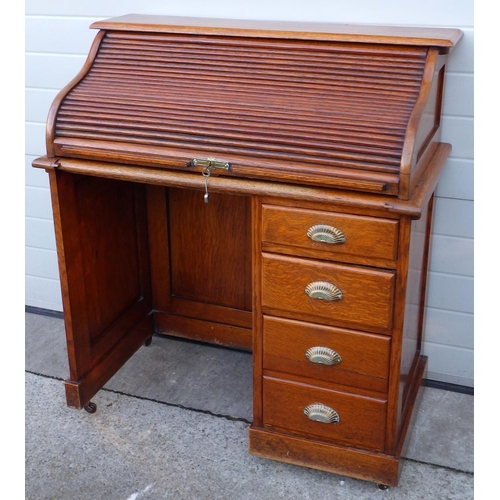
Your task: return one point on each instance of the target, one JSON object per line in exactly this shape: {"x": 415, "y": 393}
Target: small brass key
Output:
{"x": 206, "y": 173}
{"x": 208, "y": 165}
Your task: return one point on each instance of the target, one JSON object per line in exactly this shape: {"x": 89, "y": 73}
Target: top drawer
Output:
{"x": 330, "y": 235}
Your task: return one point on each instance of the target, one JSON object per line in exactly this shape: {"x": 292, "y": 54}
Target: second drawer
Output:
{"x": 363, "y": 296}
{"x": 332, "y": 355}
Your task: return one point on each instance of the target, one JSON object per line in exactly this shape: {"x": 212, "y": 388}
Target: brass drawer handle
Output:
{"x": 323, "y": 290}
{"x": 323, "y": 356}
{"x": 326, "y": 234}
{"x": 321, "y": 413}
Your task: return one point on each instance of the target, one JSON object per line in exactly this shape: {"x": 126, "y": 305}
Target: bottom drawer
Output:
{"x": 361, "y": 420}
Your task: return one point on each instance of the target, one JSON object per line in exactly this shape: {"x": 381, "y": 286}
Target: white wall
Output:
{"x": 57, "y": 42}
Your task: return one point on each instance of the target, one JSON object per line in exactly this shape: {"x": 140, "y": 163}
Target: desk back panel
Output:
{"x": 202, "y": 254}
{"x": 210, "y": 248}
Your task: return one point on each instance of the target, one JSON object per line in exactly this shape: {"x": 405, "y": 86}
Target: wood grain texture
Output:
{"x": 201, "y": 265}
{"x": 104, "y": 263}
{"x": 368, "y": 240}
{"x": 351, "y": 201}
{"x": 257, "y": 317}
{"x": 413, "y": 328}
{"x": 79, "y": 392}
{"x": 194, "y": 328}
{"x": 367, "y": 294}
{"x": 54, "y": 108}
{"x": 293, "y": 110}
{"x": 210, "y": 248}
{"x": 445, "y": 38}
{"x": 424, "y": 125}
{"x": 159, "y": 249}
{"x": 70, "y": 271}
{"x": 394, "y": 406}
{"x": 365, "y": 357}
{"x": 362, "y": 419}
{"x": 321, "y": 125}
{"x": 339, "y": 459}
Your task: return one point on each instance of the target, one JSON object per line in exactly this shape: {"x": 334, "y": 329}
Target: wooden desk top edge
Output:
{"x": 445, "y": 38}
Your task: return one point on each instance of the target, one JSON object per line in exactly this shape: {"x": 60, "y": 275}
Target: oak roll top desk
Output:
{"x": 265, "y": 186}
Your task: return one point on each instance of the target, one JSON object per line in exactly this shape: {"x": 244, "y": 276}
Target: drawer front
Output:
{"x": 365, "y": 300}
{"x": 332, "y": 355}
{"x": 361, "y": 420}
{"x": 332, "y": 236}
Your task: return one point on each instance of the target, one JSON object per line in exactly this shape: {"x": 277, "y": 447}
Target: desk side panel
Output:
{"x": 101, "y": 232}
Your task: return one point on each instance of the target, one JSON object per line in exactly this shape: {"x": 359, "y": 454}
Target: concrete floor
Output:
{"x": 163, "y": 431}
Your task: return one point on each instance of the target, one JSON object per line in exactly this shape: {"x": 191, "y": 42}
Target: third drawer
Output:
{"x": 332, "y": 355}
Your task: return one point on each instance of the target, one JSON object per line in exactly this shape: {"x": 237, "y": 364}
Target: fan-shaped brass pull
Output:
{"x": 323, "y": 356}
{"x": 326, "y": 234}
{"x": 323, "y": 290}
{"x": 321, "y": 413}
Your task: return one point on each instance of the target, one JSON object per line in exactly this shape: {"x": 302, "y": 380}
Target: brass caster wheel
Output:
{"x": 90, "y": 408}
{"x": 148, "y": 341}
{"x": 383, "y": 487}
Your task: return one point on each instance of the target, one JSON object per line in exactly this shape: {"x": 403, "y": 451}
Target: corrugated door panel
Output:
{"x": 303, "y": 103}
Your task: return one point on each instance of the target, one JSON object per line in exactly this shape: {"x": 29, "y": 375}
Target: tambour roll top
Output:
{"x": 329, "y": 107}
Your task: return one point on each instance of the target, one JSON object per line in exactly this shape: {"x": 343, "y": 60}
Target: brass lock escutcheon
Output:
{"x": 210, "y": 163}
